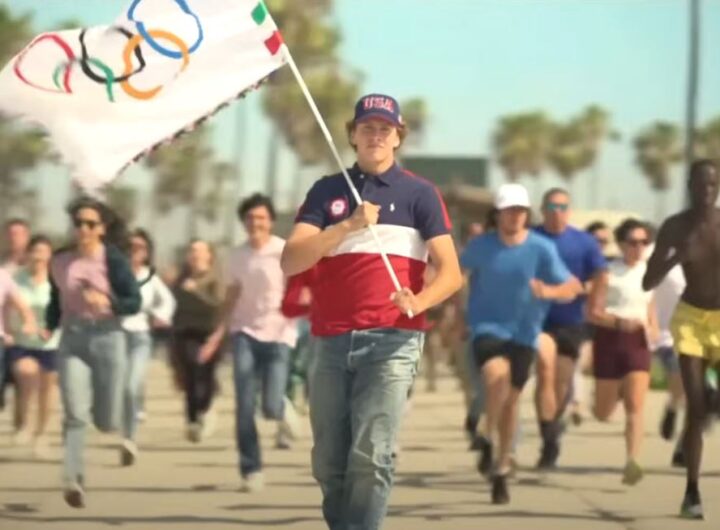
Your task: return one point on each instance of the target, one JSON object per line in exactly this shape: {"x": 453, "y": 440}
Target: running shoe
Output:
{"x": 74, "y": 494}
{"x": 253, "y": 482}
{"x": 692, "y": 508}
{"x": 485, "y": 459}
{"x": 500, "y": 494}
{"x": 549, "y": 456}
{"x": 128, "y": 453}
{"x": 667, "y": 426}
{"x": 632, "y": 474}
{"x": 678, "y": 459}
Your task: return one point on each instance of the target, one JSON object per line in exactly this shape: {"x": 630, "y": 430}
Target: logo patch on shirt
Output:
{"x": 338, "y": 207}
{"x": 392, "y": 206}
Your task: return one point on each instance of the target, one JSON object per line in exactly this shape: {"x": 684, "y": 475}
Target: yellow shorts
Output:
{"x": 696, "y": 332}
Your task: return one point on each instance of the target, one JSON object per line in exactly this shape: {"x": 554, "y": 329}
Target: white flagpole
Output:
{"x": 341, "y": 165}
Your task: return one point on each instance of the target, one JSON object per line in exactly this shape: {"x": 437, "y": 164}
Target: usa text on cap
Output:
{"x": 378, "y": 106}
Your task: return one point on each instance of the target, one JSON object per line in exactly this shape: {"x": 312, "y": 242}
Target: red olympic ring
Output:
{"x": 68, "y": 69}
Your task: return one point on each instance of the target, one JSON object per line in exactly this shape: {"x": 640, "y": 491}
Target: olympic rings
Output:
{"x": 148, "y": 35}
{"x": 86, "y": 59}
{"x": 133, "y": 48}
{"x": 127, "y": 58}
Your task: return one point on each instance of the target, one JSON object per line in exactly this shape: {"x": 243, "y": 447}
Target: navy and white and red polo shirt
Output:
{"x": 352, "y": 287}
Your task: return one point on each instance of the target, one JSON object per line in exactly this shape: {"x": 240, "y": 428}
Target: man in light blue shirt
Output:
{"x": 514, "y": 276}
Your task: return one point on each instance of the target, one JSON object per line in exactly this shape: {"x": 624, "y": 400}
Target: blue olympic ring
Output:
{"x": 155, "y": 45}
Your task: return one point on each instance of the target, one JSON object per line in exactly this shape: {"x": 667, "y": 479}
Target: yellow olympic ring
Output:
{"x": 128, "y": 55}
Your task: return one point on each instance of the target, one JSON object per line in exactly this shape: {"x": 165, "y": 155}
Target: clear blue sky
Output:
{"x": 475, "y": 60}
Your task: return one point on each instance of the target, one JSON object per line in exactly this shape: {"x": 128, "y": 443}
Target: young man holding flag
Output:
{"x": 369, "y": 337}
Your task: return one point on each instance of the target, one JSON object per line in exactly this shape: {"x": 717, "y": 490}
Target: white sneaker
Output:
{"x": 253, "y": 483}
{"x": 41, "y": 447}
{"x": 282, "y": 439}
{"x": 74, "y": 495}
{"x": 290, "y": 424}
{"x": 194, "y": 432}
{"x": 128, "y": 453}
{"x": 142, "y": 416}
{"x": 209, "y": 423}
{"x": 22, "y": 437}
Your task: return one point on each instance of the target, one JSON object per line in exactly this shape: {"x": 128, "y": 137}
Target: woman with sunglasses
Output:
{"x": 34, "y": 355}
{"x": 626, "y": 323}
{"x": 198, "y": 292}
{"x": 158, "y": 306}
{"x": 92, "y": 287}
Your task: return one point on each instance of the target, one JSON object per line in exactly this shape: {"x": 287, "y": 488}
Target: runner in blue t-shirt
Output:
{"x": 565, "y": 324}
{"x": 514, "y": 274}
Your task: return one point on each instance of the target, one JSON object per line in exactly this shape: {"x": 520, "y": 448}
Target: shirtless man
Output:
{"x": 692, "y": 239}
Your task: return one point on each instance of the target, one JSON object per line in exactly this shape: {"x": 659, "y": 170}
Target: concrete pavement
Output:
{"x": 177, "y": 485}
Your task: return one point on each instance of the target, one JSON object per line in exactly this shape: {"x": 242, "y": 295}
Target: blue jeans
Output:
{"x": 360, "y": 383}
{"x": 92, "y": 362}
{"x": 269, "y": 363}
{"x": 139, "y": 345}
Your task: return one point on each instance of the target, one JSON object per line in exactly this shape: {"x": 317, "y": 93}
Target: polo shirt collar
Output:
{"x": 384, "y": 178}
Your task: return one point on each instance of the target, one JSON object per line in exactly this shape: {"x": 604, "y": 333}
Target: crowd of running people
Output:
{"x": 543, "y": 298}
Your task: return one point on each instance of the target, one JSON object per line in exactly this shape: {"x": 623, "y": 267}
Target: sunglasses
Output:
{"x": 556, "y": 207}
{"x": 90, "y": 223}
{"x": 637, "y": 242}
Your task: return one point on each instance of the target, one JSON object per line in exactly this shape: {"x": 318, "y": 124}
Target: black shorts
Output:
{"x": 569, "y": 339}
{"x": 486, "y": 347}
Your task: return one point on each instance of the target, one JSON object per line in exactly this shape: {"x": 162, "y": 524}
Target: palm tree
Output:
{"x": 415, "y": 115}
{"x": 595, "y": 128}
{"x": 658, "y": 148}
{"x": 123, "y": 199}
{"x": 522, "y": 143}
{"x": 707, "y": 140}
{"x": 187, "y": 175}
{"x": 570, "y": 152}
{"x": 21, "y": 149}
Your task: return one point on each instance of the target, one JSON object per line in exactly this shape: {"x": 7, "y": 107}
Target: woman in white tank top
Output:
{"x": 625, "y": 320}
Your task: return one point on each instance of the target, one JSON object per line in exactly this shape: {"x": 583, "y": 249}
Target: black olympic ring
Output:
{"x": 85, "y": 58}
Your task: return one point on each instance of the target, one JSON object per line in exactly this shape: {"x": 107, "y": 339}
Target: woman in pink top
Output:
{"x": 92, "y": 286}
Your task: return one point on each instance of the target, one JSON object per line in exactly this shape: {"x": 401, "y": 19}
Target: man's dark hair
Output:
{"x": 554, "y": 191}
{"x": 626, "y": 227}
{"x": 16, "y": 221}
{"x": 254, "y": 201}
{"x": 596, "y": 226}
{"x": 698, "y": 165}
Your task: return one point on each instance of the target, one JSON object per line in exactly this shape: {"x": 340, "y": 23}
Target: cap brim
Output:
{"x": 512, "y": 205}
{"x": 378, "y": 116}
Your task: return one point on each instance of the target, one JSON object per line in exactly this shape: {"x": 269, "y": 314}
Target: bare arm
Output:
{"x": 664, "y": 256}
{"x": 447, "y": 279}
{"x": 653, "y": 327}
{"x": 28, "y": 318}
{"x": 232, "y": 295}
{"x": 564, "y": 292}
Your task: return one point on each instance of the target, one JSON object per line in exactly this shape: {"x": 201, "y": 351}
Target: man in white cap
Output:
{"x": 514, "y": 276}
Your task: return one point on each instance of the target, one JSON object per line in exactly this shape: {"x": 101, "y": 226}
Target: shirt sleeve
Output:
{"x": 471, "y": 256}
{"x": 594, "y": 259}
{"x": 431, "y": 216}
{"x": 552, "y": 269}
{"x": 163, "y": 307}
{"x": 312, "y": 210}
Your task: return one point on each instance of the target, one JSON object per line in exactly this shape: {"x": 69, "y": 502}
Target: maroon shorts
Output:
{"x": 617, "y": 353}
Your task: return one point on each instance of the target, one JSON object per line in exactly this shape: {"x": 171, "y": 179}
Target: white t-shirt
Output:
{"x": 625, "y": 296}
{"x": 157, "y": 301}
{"x": 667, "y": 295}
{"x": 262, "y": 287}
